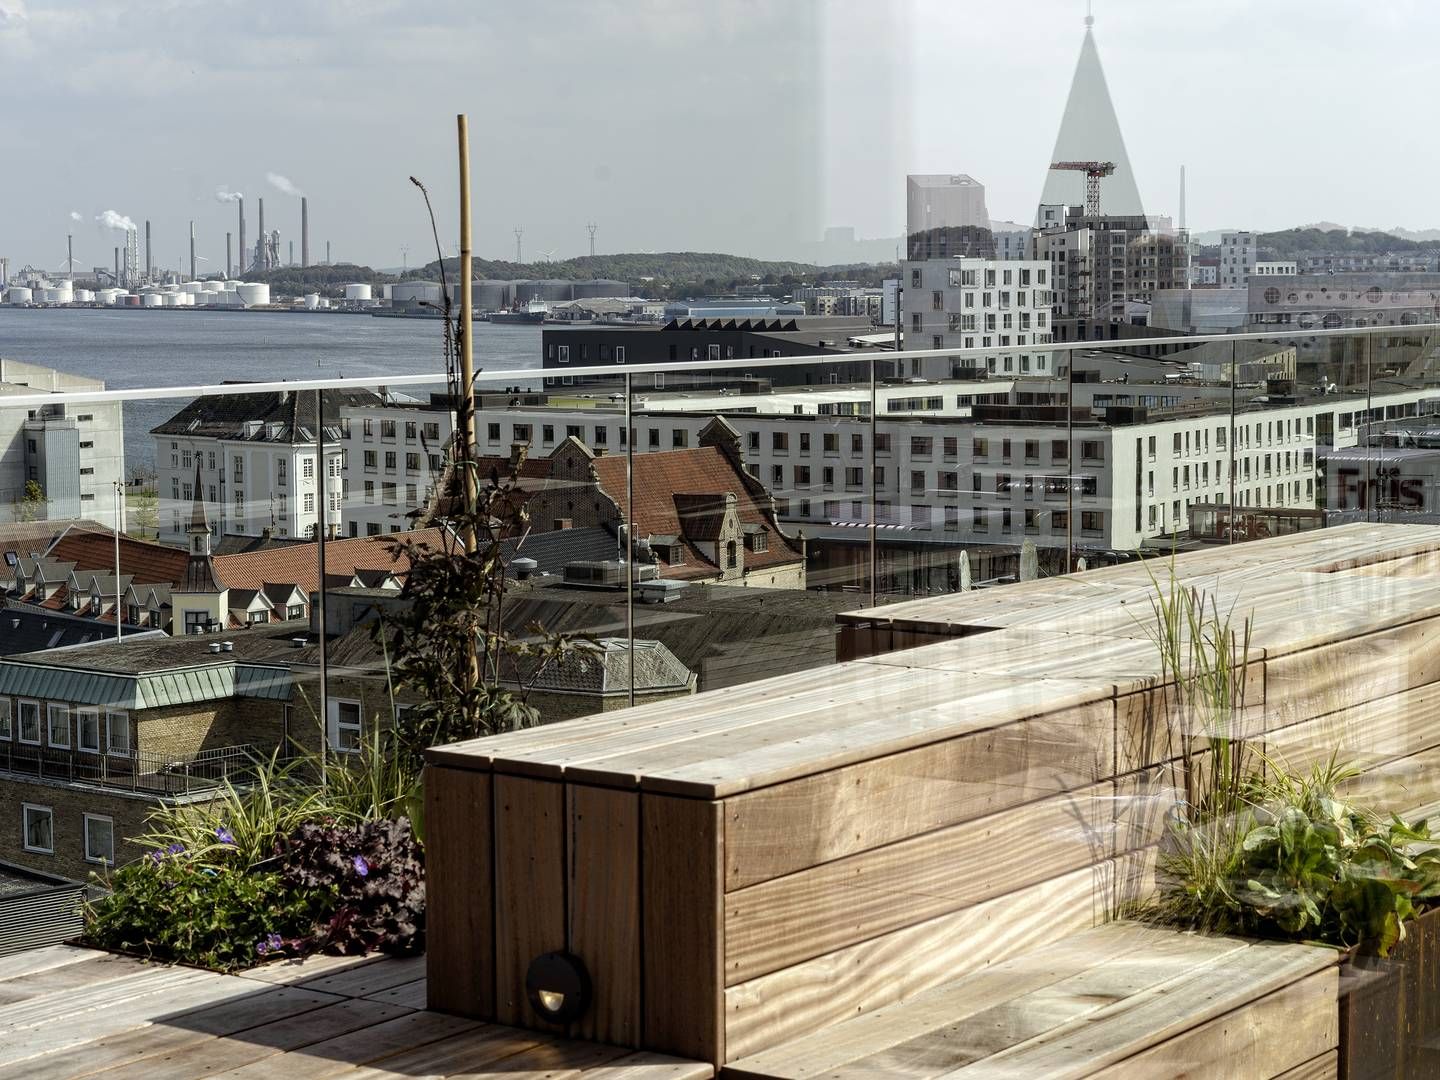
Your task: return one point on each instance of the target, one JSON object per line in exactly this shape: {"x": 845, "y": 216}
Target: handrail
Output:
{"x": 744, "y": 363}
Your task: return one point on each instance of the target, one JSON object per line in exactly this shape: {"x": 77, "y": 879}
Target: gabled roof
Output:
{"x": 297, "y": 565}
{"x": 703, "y": 474}
{"x": 145, "y": 561}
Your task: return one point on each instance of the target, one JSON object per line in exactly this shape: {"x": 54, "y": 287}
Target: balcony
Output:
{"x": 135, "y": 771}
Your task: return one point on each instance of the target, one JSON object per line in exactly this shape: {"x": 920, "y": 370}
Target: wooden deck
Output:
{"x": 68, "y": 1012}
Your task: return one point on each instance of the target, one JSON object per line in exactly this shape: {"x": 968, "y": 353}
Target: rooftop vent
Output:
{"x": 214, "y": 646}
{"x": 227, "y": 646}
{"x": 299, "y": 642}
{"x": 523, "y": 568}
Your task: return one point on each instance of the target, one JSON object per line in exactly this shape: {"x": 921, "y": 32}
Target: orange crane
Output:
{"x": 1093, "y": 171}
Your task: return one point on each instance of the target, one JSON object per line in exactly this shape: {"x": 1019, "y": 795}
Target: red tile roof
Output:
{"x": 148, "y": 563}
{"x": 295, "y": 565}
{"x": 671, "y": 490}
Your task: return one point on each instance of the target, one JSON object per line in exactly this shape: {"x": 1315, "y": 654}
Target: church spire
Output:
{"x": 200, "y": 569}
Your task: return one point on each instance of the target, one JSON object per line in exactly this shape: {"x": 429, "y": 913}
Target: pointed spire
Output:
{"x": 200, "y": 570}
{"x": 199, "y": 523}
{"x": 1089, "y": 131}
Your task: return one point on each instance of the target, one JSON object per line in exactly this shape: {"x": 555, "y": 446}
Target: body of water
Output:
{"x": 159, "y": 348}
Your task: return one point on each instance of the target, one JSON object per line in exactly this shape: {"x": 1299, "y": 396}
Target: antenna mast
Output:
{"x": 591, "y": 228}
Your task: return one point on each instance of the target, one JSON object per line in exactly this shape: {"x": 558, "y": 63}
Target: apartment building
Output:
{"x": 252, "y": 458}
{"x": 74, "y": 453}
{"x": 970, "y": 303}
{"x": 1143, "y": 455}
{"x": 393, "y": 454}
{"x": 1100, "y": 263}
{"x": 1237, "y": 259}
{"x": 1276, "y": 269}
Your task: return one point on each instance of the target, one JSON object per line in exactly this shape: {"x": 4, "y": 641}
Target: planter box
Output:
{"x": 1390, "y": 1008}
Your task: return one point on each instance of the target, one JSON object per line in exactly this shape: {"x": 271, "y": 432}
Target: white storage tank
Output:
{"x": 153, "y": 299}
{"x": 312, "y": 301}
{"x": 20, "y": 295}
{"x": 358, "y": 291}
{"x": 232, "y": 284}
{"x": 107, "y": 296}
{"x": 212, "y": 286}
{"x": 170, "y": 299}
{"x": 253, "y": 292}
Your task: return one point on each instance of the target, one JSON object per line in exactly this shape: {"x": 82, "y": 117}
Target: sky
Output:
{"x": 743, "y": 126}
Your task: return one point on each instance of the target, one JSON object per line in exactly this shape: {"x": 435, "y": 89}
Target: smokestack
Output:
{"x": 70, "y": 254}
{"x": 117, "y": 266}
{"x": 149, "y": 261}
{"x": 192, "y": 251}
{"x": 292, "y": 252}
{"x": 227, "y": 255}
{"x": 327, "y": 254}
{"x": 242, "y": 235}
{"x": 304, "y": 231}
{"x": 260, "y": 263}
{"x": 1182, "y": 198}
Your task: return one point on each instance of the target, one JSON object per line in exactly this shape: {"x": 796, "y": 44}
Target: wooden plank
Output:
{"x": 1084, "y": 1046}
{"x": 806, "y": 822}
{"x": 92, "y": 971}
{"x": 300, "y": 969}
{"x": 210, "y": 1056}
{"x": 412, "y": 995}
{"x": 794, "y": 918}
{"x": 1364, "y": 668}
{"x": 682, "y": 922}
{"x": 460, "y": 892}
{"x": 85, "y": 1018}
{"x": 136, "y": 984}
{"x": 1398, "y": 786}
{"x": 1013, "y": 1022}
{"x": 371, "y": 978}
{"x": 1367, "y": 733}
{"x": 340, "y": 1056}
{"x": 31, "y": 961}
{"x": 529, "y": 887}
{"x": 466, "y": 1055}
{"x": 262, "y": 1006}
{"x": 1150, "y": 722}
{"x": 1272, "y": 1036}
{"x": 798, "y": 1000}
{"x": 604, "y": 908}
{"x": 647, "y": 1066}
{"x": 832, "y": 1047}
{"x": 1324, "y": 1067}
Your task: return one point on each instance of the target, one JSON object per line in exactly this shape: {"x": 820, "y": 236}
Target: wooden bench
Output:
{"x": 764, "y": 863}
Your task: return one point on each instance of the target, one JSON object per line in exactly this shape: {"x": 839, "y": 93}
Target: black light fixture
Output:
{"x": 558, "y": 987}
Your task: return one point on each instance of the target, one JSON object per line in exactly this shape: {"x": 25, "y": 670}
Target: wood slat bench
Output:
{"x": 763, "y": 863}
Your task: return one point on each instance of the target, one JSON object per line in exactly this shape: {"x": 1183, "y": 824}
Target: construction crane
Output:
{"x": 1093, "y": 171}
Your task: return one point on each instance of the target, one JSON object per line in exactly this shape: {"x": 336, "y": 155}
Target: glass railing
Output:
{"x": 673, "y": 527}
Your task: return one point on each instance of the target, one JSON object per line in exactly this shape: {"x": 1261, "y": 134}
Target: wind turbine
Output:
{"x": 547, "y": 256}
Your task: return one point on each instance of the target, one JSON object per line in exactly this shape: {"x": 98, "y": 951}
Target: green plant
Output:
{"x": 372, "y": 783}
{"x": 172, "y": 906}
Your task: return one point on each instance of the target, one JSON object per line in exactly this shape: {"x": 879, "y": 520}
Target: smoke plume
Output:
{"x": 284, "y": 184}
{"x": 75, "y": 216}
{"x": 224, "y": 194}
{"x": 111, "y": 220}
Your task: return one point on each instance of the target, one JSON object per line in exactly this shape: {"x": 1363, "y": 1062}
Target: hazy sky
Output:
{"x": 744, "y": 126}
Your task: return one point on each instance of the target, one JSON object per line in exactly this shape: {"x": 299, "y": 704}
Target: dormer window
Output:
{"x": 757, "y": 541}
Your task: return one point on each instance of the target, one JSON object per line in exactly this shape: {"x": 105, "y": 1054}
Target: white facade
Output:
{"x": 249, "y": 486}
{"x": 977, "y": 304}
{"x": 996, "y": 483}
{"x": 1275, "y": 269}
{"x": 393, "y": 455}
{"x": 74, "y": 452}
{"x": 1237, "y": 259}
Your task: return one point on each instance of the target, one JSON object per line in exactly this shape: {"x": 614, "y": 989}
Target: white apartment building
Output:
{"x": 1276, "y": 269}
{"x": 75, "y": 453}
{"x": 1001, "y": 480}
{"x": 977, "y": 304}
{"x": 393, "y": 456}
{"x": 1237, "y": 259}
{"x": 258, "y": 464}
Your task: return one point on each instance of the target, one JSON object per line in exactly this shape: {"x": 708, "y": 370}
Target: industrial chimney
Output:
{"x": 242, "y": 235}
{"x": 149, "y": 261}
{"x": 260, "y": 261}
{"x": 304, "y": 231}
{"x": 117, "y": 266}
{"x": 70, "y": 254}
{"x": 227, "y": 254}
{"x": 192, "y": 251}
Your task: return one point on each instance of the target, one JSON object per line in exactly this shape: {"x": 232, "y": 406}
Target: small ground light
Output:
{"x": 558, "y": 987}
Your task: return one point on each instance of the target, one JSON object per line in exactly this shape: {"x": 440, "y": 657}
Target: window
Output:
{"x": 387, "y": 494}
{"x": 309, "y": 502}
{"x": 5, "y": 730}
{"x": 804, "y": 442}
{"x": 780, "y": 440}
{"x": 412, "y": 462}
{"x": 99, "y": 839}
{"x": 57, "y": 724}
{"x": 980, "y": 449}
{"x": 307, "y": 465}
{"x": 30, "y": 722}
{"x": 731, "y": 557}
{"x": 1091, "y": 520}
{"x": 1092, "y": 450}
{"x": 832, "y": 443}
{"x": 390, "y": 460}
{"x": 921, "y": 445}
{"x": 857, "y": 444}
{"x": 345, "y": 725}
{"x": 117, "y": 725}
{"x": 38, "y": 831}
{"x": 802, "y": 475}
{"x": 854, "y": 478}
{"x": 679, "y": 438}
{"x": 370, "y": 459}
